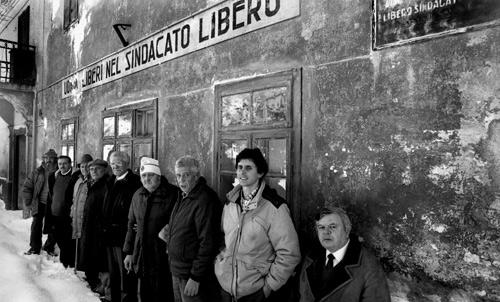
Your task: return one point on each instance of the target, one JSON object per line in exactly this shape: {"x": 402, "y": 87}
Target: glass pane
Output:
{"x": 274, "y": 150}
{"x": 71, "y": 153}
{"x": 106, "y": 150}
{"x": 150, "y": 124}
{"x": 64, "y": 132}
{"x": 270, "y": 105}
{"x": 64, "y": 150}
{"x": 140, "y": 150}
{"x": 236, "y": 110}
{"x": 139, "y": 123}
{"x": 229, "y": 150}
{"x": 71, "y": 131}
{"x": 227, "y": 183}
{"x": 127, "y": 148}
{"x": 125, "y": 124}
{"x": 279, "y": 184}
{"x": 109, "y": 126}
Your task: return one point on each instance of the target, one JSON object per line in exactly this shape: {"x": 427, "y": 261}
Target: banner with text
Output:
{"x": 401, "y": 20}
{"x": 219, "y": 23}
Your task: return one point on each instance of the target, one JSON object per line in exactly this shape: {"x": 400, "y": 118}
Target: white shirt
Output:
{"x": 339, "y": 254}
{"x": 121, "y": 176}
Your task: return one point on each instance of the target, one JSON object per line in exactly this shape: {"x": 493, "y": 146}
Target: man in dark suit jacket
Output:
{"x": 341, "y": 270}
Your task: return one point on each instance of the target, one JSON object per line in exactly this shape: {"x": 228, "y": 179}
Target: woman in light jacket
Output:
{"x": 261, "y": 245}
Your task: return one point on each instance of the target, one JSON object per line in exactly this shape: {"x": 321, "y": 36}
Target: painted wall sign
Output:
{"x": 221, "y": 22}
{"x": 398, "y": 21}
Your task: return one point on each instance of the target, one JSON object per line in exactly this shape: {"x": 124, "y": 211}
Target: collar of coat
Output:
{"x": 264, "y": 192}
{"x": 162, "y": 189}
{"x": 343, "y": 274}
{"x": 127, "y": 177}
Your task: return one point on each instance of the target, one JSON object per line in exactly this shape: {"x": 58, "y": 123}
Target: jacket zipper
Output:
{"x": 236, "y": 245}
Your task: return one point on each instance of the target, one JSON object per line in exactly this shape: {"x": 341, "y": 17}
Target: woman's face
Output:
{"x": 247, "y": 174}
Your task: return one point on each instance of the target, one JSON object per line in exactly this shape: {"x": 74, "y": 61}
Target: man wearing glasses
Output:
{"x": 340, "y": 269}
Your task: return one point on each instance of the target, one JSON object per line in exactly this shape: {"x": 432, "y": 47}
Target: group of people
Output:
{"x": 141, "y": 238}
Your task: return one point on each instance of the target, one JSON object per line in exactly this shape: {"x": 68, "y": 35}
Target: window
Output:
{"x": 70, "y": 12}
{"x": 68, "y": 138}
{"x": 258, "y": 113}
{"x": 131, "y": 129}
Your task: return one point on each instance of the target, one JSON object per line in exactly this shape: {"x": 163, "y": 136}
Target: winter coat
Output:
{"x": 79, "y": 197}
{"x": 261, "y": 245}
{"x": 92, "y": 254}
{"x": 149, "y": 212}
{"x": 116, "y": 207}
{"x": 358, "y": 277}
{"x": 193, "y": 233}
{"x": 32, "y": 188}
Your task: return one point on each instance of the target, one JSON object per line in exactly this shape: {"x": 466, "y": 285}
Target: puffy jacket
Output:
{"x": 261, "y": 245}
{"x": 79, "y": 196}
{"x": 32, "y": 188}
{"x": 193, "y": 233}
{"x": 149, "y": 212}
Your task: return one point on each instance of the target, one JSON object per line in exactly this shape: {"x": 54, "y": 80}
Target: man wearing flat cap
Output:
{"x": 35, "y": 196}
{"x": 146, "y": 253}
{"x": 92, "y": 256}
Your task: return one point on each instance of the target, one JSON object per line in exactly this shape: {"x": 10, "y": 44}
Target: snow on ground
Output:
{"x": 34, "y": 278}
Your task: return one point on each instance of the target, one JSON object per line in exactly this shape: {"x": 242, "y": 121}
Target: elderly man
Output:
{"x": 35, "y": 196}
{"x": 61, "y": 185}
{"x": 149, "y": 212}
{"x": 121, "y": 187}
{"x": 193, "y": 234}
{"x": 341, "y": 269}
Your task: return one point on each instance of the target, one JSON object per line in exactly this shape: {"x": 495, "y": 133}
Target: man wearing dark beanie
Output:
{"x": 61, "y": 184}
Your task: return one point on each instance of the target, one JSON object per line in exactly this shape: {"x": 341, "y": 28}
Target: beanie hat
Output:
{"x": 86, "y": 158}
{"x": 50, "y": 153}
{"x": 150, "y": 165}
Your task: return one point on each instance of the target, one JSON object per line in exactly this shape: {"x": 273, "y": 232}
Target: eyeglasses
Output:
{"x": 323, "y": 228}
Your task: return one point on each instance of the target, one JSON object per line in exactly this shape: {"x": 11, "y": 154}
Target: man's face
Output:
{"x": 246, "y": 172}
{"x": 97, "y": 172}
{"x": 84, "y": 168}
{"x": 50, "y": 163}
{"x": 186, "y": 179}
{"x": 117, "y": 165}
{"x": 331, "y": 232}
{"x": 150, "y": 181}
{"x": 64, "y": 165}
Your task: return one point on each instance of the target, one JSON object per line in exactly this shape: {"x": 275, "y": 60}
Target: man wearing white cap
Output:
{"x": 149, "y": 212}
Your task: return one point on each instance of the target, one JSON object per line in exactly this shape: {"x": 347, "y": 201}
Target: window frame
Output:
{"x": 69, "y": 142}
{"x": 132, "y": 139}
{"x": 290, "y": 129}
{"x": 71, "y": 13}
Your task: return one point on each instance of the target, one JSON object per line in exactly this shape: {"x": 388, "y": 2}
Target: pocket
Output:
{"x": 223, "y": 272}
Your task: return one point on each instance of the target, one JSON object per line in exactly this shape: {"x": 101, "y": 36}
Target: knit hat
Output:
{"x": 86, "y": 158}
{"x": 150, "y": 165}
{"x": 98, "y": 162}
{"x": 50, "y": 153}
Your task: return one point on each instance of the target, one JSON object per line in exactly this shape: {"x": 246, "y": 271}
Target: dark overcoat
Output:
{"x": 92, "y": 255}
{"x": 358, "y": 277}
{"x": 149, "y": 213}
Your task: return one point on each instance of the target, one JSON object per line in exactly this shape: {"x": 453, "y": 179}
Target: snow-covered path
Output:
{"x": 34, "y": 278}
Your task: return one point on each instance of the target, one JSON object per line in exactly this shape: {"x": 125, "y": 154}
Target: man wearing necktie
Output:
{"x": 340, "y": 270}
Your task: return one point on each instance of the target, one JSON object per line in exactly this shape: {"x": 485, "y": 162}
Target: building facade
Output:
{"x": 399, "y": 125}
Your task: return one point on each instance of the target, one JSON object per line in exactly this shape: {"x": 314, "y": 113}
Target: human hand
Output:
{"x": 191, "y": 288}
{"x": 128, "y": 263}
{"x": 135, "y": 227}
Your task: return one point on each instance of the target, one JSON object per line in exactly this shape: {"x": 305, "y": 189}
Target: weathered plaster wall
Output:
{"x": 406, "y": 138}
{"x": 4, "y": 148}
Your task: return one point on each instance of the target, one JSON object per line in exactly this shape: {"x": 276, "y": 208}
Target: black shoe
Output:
{"x": 32, "y": 251}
